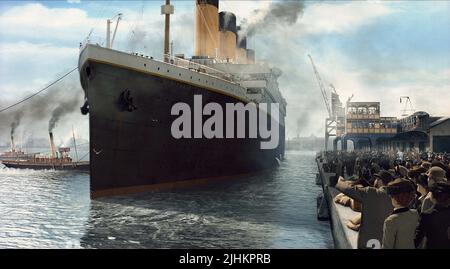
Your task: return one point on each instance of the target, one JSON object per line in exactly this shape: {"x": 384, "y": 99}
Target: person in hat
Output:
{"x": 435, "y": 174}
{"x": 416, "y": 172}
{"x": 425, "y": 165}
{"x": 376, "y": 206}
{"x": 402, "y": 171}
{"x": 399, "y": 228}
{"x": 422, "y": 190}
{"x": 434, "y": 226}
{"x": 438, "y": 163}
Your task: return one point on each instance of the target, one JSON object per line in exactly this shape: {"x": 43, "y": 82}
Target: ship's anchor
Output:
{"x": 85, "y": 108}
{"x": 126, "y": 101}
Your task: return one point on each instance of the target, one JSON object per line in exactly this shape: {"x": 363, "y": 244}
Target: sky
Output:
{"x": 375, "y": 50}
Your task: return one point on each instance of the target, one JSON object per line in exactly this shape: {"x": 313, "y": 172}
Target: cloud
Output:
{"x": 36, "y": 22}
{"x": 38, "y": 110}
{"x": 73, "y": 1}
{"x": 428, "y": 90}
{"x": 39, "y": 43}
{"x": 38, "y": 40}
{"x": 26, "y": 66}
{"x": 243, "y": 9}
{"x": 376, "y": 80}
{"x": 417, "y": 82}
{"x": 33, "y": 54}
{"x": 323, "y": 18}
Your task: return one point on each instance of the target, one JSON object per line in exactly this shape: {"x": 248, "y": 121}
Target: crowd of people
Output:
{"x": 404, "y": 198}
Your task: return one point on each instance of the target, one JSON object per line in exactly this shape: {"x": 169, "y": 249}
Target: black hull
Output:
{"x": 135, "y": 151}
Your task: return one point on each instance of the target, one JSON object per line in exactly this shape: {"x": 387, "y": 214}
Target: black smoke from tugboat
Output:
{"x": 61, "y": 110}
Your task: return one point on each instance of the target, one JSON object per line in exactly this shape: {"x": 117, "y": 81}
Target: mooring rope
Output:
{"x": 38, "y": 92}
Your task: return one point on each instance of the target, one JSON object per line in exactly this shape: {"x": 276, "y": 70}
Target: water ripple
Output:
{"x": 276, "y": 209}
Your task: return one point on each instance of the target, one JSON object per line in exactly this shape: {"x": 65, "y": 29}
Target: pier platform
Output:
{"x": 344, "y": 237}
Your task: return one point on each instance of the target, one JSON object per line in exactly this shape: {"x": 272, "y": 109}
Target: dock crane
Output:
{"x": 407, "y": 111}
{"x": 321, "y": 87}
{"x": 109, "y": 42}
{"x": 331, "y": 121}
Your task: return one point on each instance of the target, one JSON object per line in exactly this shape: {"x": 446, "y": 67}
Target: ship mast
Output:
{"x": 75, "y": 144}
{"x": 166, "y": 10}
{"x": 110, "y": 42}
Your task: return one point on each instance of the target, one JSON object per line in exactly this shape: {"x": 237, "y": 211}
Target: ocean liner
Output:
{"x": 129, "y": 98}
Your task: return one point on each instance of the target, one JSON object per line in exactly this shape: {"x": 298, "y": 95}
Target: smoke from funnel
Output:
{"x": 62, "y": 109}
{"x": 16, "y": 121}
{"x": 137, "y": 38}
{"x": 286, "y": 12}
{"x": 34, "y": 113}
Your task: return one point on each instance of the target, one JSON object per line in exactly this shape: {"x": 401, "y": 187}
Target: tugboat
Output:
{"x": 61, "y": 161}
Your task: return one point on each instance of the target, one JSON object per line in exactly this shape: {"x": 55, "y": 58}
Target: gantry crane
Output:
{"x": 407, "y": 111}
{"x": 321, "y": 87}
{"x": 331, "y": 120}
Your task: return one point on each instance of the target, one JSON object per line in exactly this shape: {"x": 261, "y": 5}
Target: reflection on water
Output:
{"x": 276, "y": 209}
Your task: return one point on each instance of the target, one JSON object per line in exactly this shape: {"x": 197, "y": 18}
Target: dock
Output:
{"x": 339, "y": 215}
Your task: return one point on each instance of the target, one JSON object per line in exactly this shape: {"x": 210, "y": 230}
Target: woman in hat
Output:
{"x": 399, "y": 228}
{"x": 434, "y": 226}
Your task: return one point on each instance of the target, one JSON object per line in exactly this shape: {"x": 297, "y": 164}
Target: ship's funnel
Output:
{"x": 241, "y": 50}
{"x": 52, "y": 146}
{"x": 13, "y": 145}
{"x": 206, "y": 28}
{"x": 227, "y": 36}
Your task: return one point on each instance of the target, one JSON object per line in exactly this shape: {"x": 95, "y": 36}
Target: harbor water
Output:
{"x": 272, "y": 209}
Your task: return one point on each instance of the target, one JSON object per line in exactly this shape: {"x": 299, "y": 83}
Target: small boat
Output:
{"x": 61, "y": 161}
{"x": 15, "y": 154}
{"x": 47, "y": 163}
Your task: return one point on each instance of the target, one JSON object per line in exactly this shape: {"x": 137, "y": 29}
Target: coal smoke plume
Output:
{"x": 16, "y": 121}
{"x": 61, "y": 110}
{"x": 33, "y": 114}
{"x": 285, "y": 12}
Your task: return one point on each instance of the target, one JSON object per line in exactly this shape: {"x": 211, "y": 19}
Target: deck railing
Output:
{"x": 177, "y": 61}
{"x": 192, "y": 65}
